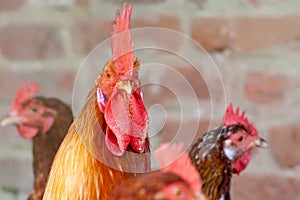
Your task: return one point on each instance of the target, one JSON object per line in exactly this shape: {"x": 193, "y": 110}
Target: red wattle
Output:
{"x": 27, "y": 132}
{"x": 242, "y": 162}
{"x": 127, "y": 119}
{"x": 112, "y": 143}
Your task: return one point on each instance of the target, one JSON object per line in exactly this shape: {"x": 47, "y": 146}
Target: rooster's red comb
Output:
{"x": 23, "y": 94}
{"x": 121, "y": 44}
{"x": 232, "y": 118}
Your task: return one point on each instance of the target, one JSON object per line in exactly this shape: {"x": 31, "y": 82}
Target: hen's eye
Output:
{"x": 177, "y": 192}
{"x": 108, "y": 74}
{"x": 240, "y": 138}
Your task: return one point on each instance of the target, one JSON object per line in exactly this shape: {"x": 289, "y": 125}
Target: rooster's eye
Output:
{"x": 108, "y": 74}
{"x": 34, "y": 110}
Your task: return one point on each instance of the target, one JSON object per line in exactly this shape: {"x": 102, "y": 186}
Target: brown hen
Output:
{"x": 46, "y": 121}
{"x": 224, "y": 151}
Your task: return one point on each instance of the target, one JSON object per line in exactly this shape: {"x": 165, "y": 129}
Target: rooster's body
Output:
{"x": 107, "y": 143}
{"x": 76, "y": 172}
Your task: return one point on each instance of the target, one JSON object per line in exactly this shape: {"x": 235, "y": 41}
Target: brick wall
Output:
{"x": 255, "y": 44}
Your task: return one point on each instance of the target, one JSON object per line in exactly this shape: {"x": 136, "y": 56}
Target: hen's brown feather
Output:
{"x": 214, "y": 167}
{"x": 145, "y": 187}
{"x": 46, "y": 145}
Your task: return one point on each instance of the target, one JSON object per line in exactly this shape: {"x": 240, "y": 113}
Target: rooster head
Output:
{"x": 119, "y": 95}
{"x": 242, "y": 136}
{"x": 29, "y": 113}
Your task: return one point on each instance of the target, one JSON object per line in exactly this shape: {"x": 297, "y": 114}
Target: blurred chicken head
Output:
{"x": 29, "y": 113}
{"x": 240, "y": 139}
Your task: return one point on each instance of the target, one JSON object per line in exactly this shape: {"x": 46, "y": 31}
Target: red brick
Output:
{"x": 156, "y": 94}
{"x": 172, "y": 129}
{"x": 244, "y": 34}
{"x": 285, "y": 144}
{"x": 263, "y": 88}
{"x": 58, "y": 3}
{"x": 266, "y": 187}
{"x": 83, "y": 2}
{"x": 195, "y": 79}
{"x": 164, "y": 39}
{"x": 11, "y": 4}
{"x": 253, "y": 2}
{"x": 157, "y": 21}
{"x": 30, "y": 42}
{"x": 172, "y": 87}
{"x": 53, "y": 83}
{"x": 199, "y": 3}
{"x": 88, "y": 33}
{"x": 140, "y": 1}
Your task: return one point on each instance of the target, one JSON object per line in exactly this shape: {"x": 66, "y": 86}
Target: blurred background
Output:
{"x": 255, "y": 44}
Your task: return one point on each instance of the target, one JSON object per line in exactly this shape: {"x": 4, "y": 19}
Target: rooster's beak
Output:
{"x": 125, "y": 85}
{"x": 11, "y": 118}
{"x": 261, "y": 143}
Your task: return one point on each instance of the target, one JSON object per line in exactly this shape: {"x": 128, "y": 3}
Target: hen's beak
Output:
{"x": 11, "y": 118}
{"x": 261, "y": 143}
{"x": 125, "y": 85}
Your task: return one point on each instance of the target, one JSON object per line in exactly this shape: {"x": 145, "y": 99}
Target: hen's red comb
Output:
{"x": 121, "y": 44}
{"x": 179, "y": 163}
{"x": 23, "y": 95}
{"x": 232, "y": 118}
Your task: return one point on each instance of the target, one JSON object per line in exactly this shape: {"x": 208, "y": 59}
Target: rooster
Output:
{"x": 108, "y": 142}
{"x": 224, "y": 151}
{"x": 46, "y": 122}
{"x": 176, "y": 181}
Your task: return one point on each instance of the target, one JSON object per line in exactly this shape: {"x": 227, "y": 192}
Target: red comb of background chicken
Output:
{"x": 232, "y": 118}
{"x": 178, "y": 163}
{"x": 23, "y": 95}
{"x": 121, "y": 44}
